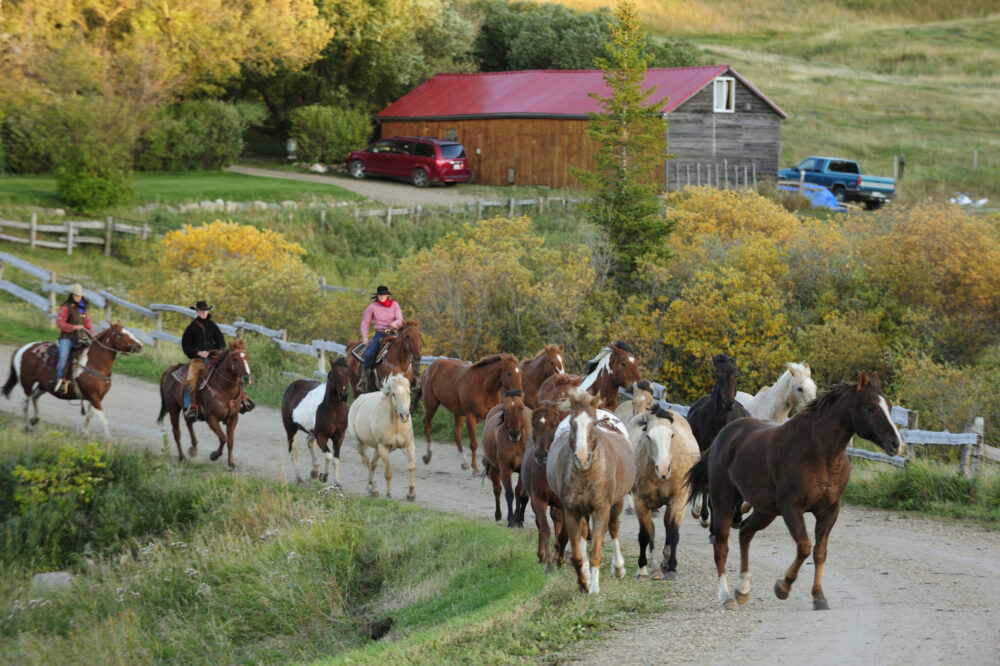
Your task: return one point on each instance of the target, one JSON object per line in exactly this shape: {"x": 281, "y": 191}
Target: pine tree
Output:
{"x": 631, "y": 132}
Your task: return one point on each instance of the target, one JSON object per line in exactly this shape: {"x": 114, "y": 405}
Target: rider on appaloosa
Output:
{"x": 386, "y": 315}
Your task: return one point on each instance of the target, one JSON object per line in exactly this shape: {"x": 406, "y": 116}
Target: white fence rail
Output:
{"x": 68, "y": 233}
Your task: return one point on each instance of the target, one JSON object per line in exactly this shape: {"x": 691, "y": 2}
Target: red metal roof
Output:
{"x": 540, "y": 93}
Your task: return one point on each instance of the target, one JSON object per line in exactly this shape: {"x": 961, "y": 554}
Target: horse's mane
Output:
{"x": 340, "y": 361}
{"x": 563, "y": 380}
{"x": 407, "y": 323}
{"x": 487, "y": 360}
{"x": 661, "y": 413}
{"x": 644, "y": 385}
{"x": 596, "y": 361}
{"x": 825, "y": 399}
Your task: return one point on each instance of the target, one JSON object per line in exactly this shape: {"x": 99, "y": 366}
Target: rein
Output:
{"x": 98, "y": 342}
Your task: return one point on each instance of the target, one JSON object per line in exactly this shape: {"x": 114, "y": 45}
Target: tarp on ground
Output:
{"x": 819, "y": 196}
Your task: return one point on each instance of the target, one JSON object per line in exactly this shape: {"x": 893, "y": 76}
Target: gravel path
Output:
{"x": 903, "y": 590}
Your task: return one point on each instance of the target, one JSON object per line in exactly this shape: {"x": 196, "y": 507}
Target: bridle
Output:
{"x": 97, "y": 340}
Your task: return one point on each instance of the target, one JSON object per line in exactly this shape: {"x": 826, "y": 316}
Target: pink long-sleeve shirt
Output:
{"x": 383, "y": 317}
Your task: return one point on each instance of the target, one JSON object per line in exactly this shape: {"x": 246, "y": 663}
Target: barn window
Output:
{"x": 451, "y": 135}
{"x": 725, "y": 95}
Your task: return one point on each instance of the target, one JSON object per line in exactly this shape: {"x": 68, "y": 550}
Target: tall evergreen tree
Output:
{"x": 631, "y": 132}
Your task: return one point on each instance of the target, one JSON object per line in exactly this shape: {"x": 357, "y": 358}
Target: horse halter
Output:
{"x": 97, "y": 340}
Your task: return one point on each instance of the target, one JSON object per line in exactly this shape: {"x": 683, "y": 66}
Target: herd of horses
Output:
{"x": 579, "y": 455}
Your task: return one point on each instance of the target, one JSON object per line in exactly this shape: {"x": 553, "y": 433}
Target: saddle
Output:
{"x": 49, "y": 354}
{"x": 359, "y": 351}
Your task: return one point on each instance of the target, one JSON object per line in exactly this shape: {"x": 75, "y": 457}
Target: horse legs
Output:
{"x": 370, "y": 466}
{"x": 824, "y": 523}
{"x": 521, "y": 493}
{"x": 755, "y": 523}
{"x": 456, "y": 434}
{"x": 311, "y": 444}
{"x": 722, "y": 520}
{"x": 383, "y": 453}
{"x": 508, "y": 494}
{"x": 646, "y": 535}
{"x": 470, "y": 425}
{"x": 215, "y": 426}
{"x": 559, "y": 528}
{"x": 193, "y": 449}
{"x": 672, "y": 522}
{"x": 230, "y": 437}
{"x": 430, "y": 408}
{"x": 576, "y": 534}
{"x": 36, "y": 393}
{"x": 95, "y": 408}
{"x": 600, "y": 520}
{"x": 323, "y": 442}
{"x": 494, "y": 473}
{"x": 704, "y": 510}
{"x": 618, "y": 564}
{"x": 411, "y": 465}
{"x": 293, "y": 453}
{"x": 796, "y": 524}
{"x": 175, "y": 428}
{"x": 542, "y": 523}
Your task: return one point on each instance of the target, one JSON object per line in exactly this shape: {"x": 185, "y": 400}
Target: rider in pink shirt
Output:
{"x": 386, "y": 315}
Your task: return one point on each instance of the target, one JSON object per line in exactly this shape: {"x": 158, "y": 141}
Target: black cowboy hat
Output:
{"x": 382, "y": 289}
{"x": 201, "y": 305}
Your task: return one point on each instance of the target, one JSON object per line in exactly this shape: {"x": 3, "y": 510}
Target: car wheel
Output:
{"x": 873, "y": 204}
{"x": 357, "y": 169}
{"x": 420, "y": 178}
{"x": 451, "y": 184}
{"x": 839, "y": 193}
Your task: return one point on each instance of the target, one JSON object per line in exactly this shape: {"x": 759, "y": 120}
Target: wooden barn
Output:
{"x": 528, "y": 127}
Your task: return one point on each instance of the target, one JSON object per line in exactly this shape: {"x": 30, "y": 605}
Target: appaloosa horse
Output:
{"x": 320, "y": 411}
{"x": 401, "y": 355}
{"x": 534, "y": 371}
{"x": 220, "y": 395}
{"x": 787, "y": 470}
{"x": 34, "y": 367}
{"x": 468, "y": 391}
{"x": 613, "y": 368}
{"x": 505, "y": 432}
{"x": 590, "y": 468}
{"x": 710, "y": 413}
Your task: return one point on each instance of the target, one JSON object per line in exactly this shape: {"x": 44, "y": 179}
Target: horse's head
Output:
{"x": 642, "y": 397}
{"x": 339, "y": 378}
{"x": 510, "y": 414}
{"x": 397, "y": 389}
{"x": 236, "y": 362}
{"x": 120, "y": 339}
{"x": 803, "y": 387}
{"x": 510, "y": 372}
{"x": 873, "y": 416}
{"x": 409, "y": 335}
{"x": 545, "y": 419}
{"x": 622, "y": 364}
{"x": 658, "y": 433}
{"x": 554, "y": 363}
{"x": 726, "y": 375}
{"x": 582, "y": 421}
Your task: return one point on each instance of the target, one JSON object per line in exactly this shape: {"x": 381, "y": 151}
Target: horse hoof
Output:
{"x": 704, "y": 523}
{"x": 820, "y": 604}
{"x": 313, "y": 474}
{"x": 549, "y": 568}
{"x": 411, "y": 497}
{"x": 730, "y": 604}
{"x": 299, "y": 481}
{"x": 34, "y": 420}
{"x": 323, "y": 477}
{"x": 465, "y": 465}
{"x": 372, "y": 493}
{"x": 742, "y": 598}
{"x": 670, "y": 575}
{"x": 657, "y": 575}
{"x": 192, "y": 451}
{"x": 781, "y": 589}
{"x": 427, "y": 459}
{"x": 641, "y": 578}
{"x": 214, "y": 455}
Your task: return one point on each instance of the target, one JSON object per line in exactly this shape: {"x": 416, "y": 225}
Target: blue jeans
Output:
{"x": 65, "y": 345}
{"x": 373, "y": 349}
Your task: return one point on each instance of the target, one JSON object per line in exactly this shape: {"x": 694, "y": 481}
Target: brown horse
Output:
{"x": 402, "y": 355}
{"x": 320, "y": 411}
{"x": 788, "y": 469}
{"x": 33, "y": 366}
{"x": 590, "y": 468}
{"x": 544, "y": 421}
{"x": 219, "y": 398}
{"x": 534, "y": 371}
{"x": 467, "y": 391}
{"x": 505, "y": 431}
{"x": 613, "y": 368}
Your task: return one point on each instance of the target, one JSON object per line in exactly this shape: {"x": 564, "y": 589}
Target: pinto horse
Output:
{"x": 590, "y": 468}
{"x": 710, "y": 413}
{"x": 91, "y": 377}
{"x": 220, "y": 396}
{"x": 534, "y": 371}
{"x": 468, "y": 391}
{"x": 402, "y": 355}
{"x": 320, "y": 411}
{"x": 544, "y": 421}
{"x": 505, "y": 432}
{"x": 613, "y": 368}
{"x": 794, "y": 388}
{"x": 787, "y": 470}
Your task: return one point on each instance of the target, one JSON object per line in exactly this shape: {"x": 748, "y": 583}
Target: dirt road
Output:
{"x": 903, "y": 590}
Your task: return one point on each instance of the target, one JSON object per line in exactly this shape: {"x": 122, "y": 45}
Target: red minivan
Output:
{"x": 418, "y": 159}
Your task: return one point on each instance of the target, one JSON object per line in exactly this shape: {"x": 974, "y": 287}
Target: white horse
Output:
{"x": 381, "y": 420}
{"x": 793, "y": 389}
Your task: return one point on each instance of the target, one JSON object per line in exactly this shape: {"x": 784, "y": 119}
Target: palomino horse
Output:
{"x": 793, "y": 389}
{"x": 402, "y": 355}
{"x": 467, "y": 391}
{"x": 788, "y": 469}
{"x": 613, "y": 368}
{"x": 505, "y": 432}
{"x": 642, "y": 402}
{"x": 590, "y": 468}
{"x": 381, "y": 421}
{"x": 544, "y": 421}
{"x": 91, "y": 377}
{"x": 534, "y": 371}
{"x": 220, "y": 396}
{"x": 665, "y": 449}
{"x": 320, "y": 411}
{"x": 710, "y": 413}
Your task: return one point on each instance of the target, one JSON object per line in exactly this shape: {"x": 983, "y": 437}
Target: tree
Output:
{"x": 631, "y": 133}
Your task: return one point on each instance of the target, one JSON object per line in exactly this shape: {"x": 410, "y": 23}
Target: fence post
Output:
{"x": 725, "y": 170}
{"x": 388, "y": 221}
{"x": 69, "y": 237}
{"x": 158, "y": 322}
{"x": 912, "y": 423}
{"x": 321, "y": 360}
{"x": 33, "y": 231}
{"x": 107, "y": 310}
{"x": 510, "y": 213}
{"x": 965, "y": 459}
{"x": 107, "y": 237}
{"x": 52, "y": 302}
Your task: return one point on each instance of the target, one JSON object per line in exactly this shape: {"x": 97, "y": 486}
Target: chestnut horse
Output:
{"x": 544, "y": 421}
{"x": 402, "y": 356}
{"x": 220, "y": 395}
{"x": 91, "y": 380}
{"x": 505, "y": 431}
{"x": 535, "y": 370}
{"x": 320, "y": 411}
{"x": 788, "y": 469}
{"x": 590, "y": 468}
{"x": 467, "y": 391}
{"x": 710, "y": 413}
{"x": 613, "y": 368}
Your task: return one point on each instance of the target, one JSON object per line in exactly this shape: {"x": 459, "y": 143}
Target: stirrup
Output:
{"x": 62, "y": 386}
{"x": 191, "y": 413}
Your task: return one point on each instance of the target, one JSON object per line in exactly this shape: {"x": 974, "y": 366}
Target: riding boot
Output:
{"x": 192, "y": 413}
{"x": 363, "y": 382}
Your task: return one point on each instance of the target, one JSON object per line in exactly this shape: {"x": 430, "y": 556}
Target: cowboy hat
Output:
{"x": 76, "y": 289}
{"x": 382, "y": 289}
{"x": 201, "y": 305}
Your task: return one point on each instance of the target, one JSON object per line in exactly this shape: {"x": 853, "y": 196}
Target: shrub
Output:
{"x": 90, "y": 187}
{"x": 191, "y": 136}
{"x": 24, "y": 145}
{"x": 325, "y": 134}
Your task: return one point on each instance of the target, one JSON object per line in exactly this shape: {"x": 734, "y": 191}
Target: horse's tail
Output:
{"x": 11, "y": 380}
{"x": 163, "y": 411}
{"x": 486, "y": 470}
{"x": 697, "y": 478}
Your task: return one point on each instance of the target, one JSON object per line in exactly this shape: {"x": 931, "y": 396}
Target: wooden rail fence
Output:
{"x": 69, "y": 234}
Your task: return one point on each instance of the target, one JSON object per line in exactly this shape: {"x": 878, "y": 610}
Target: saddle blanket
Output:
{"x": 359, "y": 352}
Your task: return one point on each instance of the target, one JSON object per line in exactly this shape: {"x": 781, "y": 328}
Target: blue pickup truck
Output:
{"x": 844, "y": 179}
